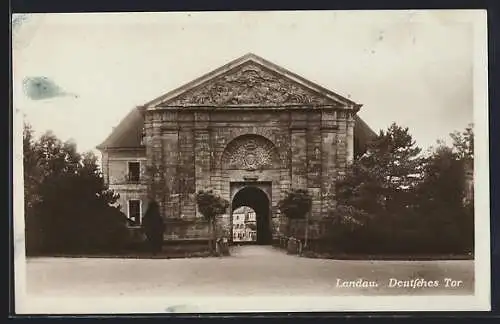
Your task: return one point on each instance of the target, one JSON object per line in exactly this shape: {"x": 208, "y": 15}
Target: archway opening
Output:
{"x": 257, "y": 200}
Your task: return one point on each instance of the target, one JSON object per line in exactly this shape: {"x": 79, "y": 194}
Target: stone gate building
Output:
{"x": 250, "y": 130}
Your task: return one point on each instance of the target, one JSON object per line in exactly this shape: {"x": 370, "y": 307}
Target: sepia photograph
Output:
{"x": 267, "y": 161}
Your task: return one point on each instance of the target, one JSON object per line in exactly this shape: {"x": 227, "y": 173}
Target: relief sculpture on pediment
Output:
{"x": 247, "y": 86}
{"x": 249, "y": 153}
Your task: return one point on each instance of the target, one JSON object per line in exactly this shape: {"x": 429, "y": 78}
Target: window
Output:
{"x": 134, "y": 212}
{"x": 134, "y": 171}
{"x": 143, "y": 134}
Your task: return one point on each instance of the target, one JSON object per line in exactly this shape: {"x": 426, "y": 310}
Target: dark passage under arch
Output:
{"x": 256, "y": 199}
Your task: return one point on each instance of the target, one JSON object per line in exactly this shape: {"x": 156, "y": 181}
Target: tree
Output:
{"x": 211, "y": 206}
{"x": 447, "y": 217}
{"x": 154, "y": 227}
{"x": 30, "y": 163}
{"x": 381, "y": 181}
{"x": 394, "y": 200}
{"x": 463, "y": 147}
{"x": 347, "y": 218}
{"x": 101, "y": 209}
{"x": 375, "y": 197}
{"x": 68, "y": 203}
{"x": 463, "y": 143}
{"x": 295, "y": 205}
{"x": 47, "y": 163}
{"x": 32, "y": 179}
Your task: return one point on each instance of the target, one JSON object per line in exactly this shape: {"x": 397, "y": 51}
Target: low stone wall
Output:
{"x": 183, "y": 229}
{"x": 197, "y": 229}
{"x": 137, "y": 234}
{"x": 177, "y": 230}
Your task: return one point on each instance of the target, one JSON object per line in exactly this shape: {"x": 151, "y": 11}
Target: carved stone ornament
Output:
{"x": 250, "y": 84}
{"x": 249, "y": 153}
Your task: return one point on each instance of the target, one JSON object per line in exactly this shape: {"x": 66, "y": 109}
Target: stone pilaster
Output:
{"x": 350, "y": 138}
{"x": 341, "y": 143}
{"x": 154, "y": 155}
{"x": 329, "y": 159}
{"x": 186, "y": 170}
{"x": 170, "y": 139}
{"x": 298, "y": 140}
{"x": 217, "y": 145}
{"x": 314, "y": 162}
{"x": 202, "y": 151}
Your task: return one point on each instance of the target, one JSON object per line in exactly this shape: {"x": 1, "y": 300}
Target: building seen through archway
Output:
{"x": 244, "y": 225}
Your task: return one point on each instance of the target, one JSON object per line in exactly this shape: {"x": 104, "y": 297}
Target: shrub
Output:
{"x": 296, "y": 204}
{"x": 210, "y": 206}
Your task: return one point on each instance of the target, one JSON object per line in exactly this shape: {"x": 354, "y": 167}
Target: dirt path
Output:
{"x": 250, "y": 270}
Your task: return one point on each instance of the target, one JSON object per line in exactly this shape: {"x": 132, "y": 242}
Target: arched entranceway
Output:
{"x": 258, "y": 200}
{"x": 252, "y": 160}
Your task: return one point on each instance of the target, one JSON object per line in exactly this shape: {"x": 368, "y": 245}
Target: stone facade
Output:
{"x": 249, "y": 123}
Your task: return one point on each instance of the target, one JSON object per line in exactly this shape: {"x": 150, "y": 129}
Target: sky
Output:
{"x": 409, "y": 67}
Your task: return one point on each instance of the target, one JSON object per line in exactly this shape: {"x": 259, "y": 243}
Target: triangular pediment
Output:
{"x": 253, "y": 81}
{"x": 250, "y": 84}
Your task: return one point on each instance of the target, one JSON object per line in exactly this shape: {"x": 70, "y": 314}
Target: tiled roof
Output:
{"x": 362, "y": 132}
{"x": 128, "y": 133}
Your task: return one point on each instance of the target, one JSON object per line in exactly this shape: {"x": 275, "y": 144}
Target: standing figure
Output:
{"x": 154, "y": 227}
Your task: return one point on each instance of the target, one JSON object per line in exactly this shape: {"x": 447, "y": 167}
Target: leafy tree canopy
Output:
{"x": 67, "y": 203}
{"x": 463, "y": 143}
{"x": 395, "y": 200}
{"x": 296, "y": 204}
{"x": 210, "y": 204}
{"x": 379, "y": 182}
